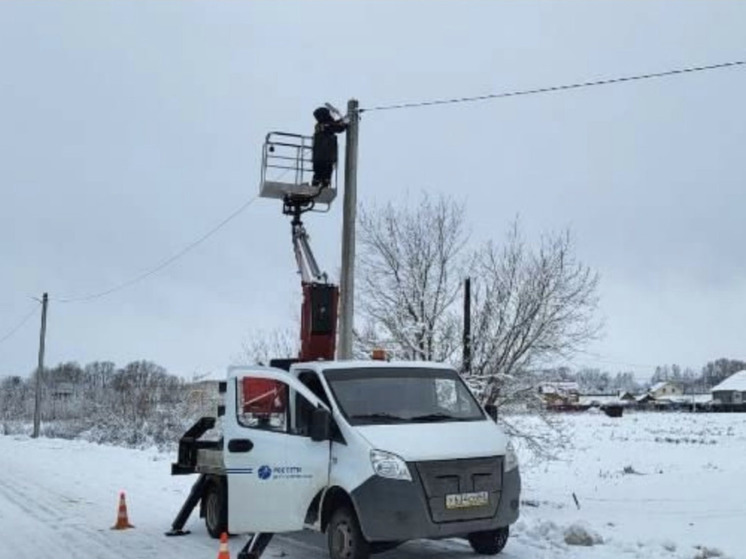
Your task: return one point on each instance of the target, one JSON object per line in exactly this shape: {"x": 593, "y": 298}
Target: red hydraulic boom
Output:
{"x": 318, "y": 327}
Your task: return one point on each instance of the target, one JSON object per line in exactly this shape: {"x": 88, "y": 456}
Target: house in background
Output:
{"x": 644, "y": 399}
{"x": 732, "y": 390}
{"x": 61, "y": 391}
{"x": 664, "y": 389}
{"x": 670, "y": 396}
{"x": 660, "y": 396}
{"x": 559, "y": 393}
{"x": 599, "y": 400}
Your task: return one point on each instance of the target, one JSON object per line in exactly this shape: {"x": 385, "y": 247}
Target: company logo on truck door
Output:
{"x": 282, "y": 472}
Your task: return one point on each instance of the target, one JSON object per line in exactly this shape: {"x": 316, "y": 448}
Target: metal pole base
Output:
{"x": 177, "y": 527}
{"x": 255, "y": 546}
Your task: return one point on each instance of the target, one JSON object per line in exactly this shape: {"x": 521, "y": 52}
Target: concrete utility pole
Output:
{"x": 347, "y": 275}
{"x": 40, "y": 369}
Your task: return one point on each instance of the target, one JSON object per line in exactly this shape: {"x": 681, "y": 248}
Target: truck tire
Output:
{"x": 344, "y": 537}
{"x": 491, "y": 542}
{"x": 216, "y": 520}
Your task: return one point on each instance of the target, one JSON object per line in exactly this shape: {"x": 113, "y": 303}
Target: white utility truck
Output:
{"x": 373, "y": 453}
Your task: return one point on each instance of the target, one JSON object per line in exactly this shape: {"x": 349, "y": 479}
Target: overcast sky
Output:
{"x": 129, "y": 129}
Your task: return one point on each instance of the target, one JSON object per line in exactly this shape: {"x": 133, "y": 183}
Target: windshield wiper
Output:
{"x": 437, "y": 417}
{"x": 376, "y": 417}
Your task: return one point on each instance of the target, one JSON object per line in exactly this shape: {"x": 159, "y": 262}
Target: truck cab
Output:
{"x": 372, "y": 453}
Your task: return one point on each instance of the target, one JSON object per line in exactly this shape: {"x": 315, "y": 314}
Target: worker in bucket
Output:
{"x": 325, "y": 146}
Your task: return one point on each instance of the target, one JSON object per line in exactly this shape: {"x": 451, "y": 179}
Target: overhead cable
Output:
{"x": 163, "y": 264}
{"x": 555, "y": 88}
{"x": 19, "y": 325}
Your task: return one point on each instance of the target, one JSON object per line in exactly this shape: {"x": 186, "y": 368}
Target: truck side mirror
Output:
{"x": 491, "y": 410}
{"x": 321, "y": 425}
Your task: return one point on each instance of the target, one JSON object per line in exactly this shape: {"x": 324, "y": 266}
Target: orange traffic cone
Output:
{"x": 223, "y": 552}
{"x": 122, "y": 521}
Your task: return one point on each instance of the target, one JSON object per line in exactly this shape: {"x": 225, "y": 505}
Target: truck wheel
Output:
{"x": 344, "y": 537}
{"x": 215, "y": 516}
{"x": 491, "y": 542}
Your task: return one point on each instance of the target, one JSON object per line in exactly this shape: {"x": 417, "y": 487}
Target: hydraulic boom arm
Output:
{"x": 319, "y": 309}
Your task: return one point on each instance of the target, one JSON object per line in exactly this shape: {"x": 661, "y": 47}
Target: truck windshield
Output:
{"x": 377, "y": 396}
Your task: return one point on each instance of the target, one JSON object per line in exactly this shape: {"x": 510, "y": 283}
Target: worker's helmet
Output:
{"x": 322, "y": 114}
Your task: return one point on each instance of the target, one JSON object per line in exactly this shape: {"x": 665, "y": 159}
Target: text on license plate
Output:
{"x": 467, "y": 500}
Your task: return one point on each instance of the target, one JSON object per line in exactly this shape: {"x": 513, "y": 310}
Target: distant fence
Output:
{"x": 721, "y": 408}
{"x": 651, "y": 407}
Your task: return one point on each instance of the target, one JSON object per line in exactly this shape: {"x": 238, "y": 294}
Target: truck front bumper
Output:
{"x": 396, "y": 510}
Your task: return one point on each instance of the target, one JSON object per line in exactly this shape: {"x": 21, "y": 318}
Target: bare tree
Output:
{"x": 530, "y": 306}
{"x": 263, "y": 345}
{"x": 139, "y": 387}
{"x": 15, "y": 397}
{"x": 410, "y": 262}
{"x": 717, "y": 371}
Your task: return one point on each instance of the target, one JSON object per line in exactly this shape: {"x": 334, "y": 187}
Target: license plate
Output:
{"x": 467, "y": 500}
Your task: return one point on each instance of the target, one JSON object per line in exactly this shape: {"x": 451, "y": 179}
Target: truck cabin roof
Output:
{"x": 351, "y": 365}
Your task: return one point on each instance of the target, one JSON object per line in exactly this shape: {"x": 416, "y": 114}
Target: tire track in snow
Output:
{"x": 56, "y": 525}
{"x": 69, "y": 527}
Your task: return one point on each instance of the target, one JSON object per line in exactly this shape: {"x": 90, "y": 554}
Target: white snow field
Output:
{"x": 683, "y": 496}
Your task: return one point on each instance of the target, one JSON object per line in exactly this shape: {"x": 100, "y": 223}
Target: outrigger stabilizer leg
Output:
{"x": 177, "y": 528}
{"x": 255, "y": 546}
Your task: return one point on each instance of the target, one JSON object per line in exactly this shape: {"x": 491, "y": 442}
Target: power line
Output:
{"x": 163, "y": 264}
{"x": 555, "y": 88}
{"x": 19, "y": 325}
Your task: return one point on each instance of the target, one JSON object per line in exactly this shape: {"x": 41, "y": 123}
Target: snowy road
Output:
{"x": 59, "y": 498}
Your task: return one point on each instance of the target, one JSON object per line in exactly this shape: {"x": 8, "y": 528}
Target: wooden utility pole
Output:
{"x": 347, "y": 275}
{"x": 40, "y": 368}
{"x": 467, "y": 326}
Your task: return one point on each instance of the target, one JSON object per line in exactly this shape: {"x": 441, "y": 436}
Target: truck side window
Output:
{"x": 312, "y": 381}
{"x": 304, "y": 408}
{"x": 262, "y": 404}
{"x": 303, "y": 412}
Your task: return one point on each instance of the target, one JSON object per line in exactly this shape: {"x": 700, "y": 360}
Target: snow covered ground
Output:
{"x": 648, "y": 485}
{"x": 669, "y": 485}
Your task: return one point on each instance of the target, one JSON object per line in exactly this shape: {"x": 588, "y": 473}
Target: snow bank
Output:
{"x": 580, "y": 534}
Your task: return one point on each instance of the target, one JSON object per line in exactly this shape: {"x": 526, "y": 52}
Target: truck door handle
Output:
{"x": 240, "y": 445}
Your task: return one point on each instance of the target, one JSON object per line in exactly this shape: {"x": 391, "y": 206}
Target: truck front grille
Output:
{"x": 453, "y": 477}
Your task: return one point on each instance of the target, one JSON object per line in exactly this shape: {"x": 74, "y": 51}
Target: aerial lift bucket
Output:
{"x": 287, "y": 170}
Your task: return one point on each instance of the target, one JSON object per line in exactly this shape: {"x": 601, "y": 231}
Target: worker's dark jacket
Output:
{"x": 325, "y": 141}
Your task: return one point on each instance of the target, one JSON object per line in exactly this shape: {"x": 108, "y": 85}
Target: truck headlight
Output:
{"x": 389, "y": 465}
{"x": 511, "y": 458}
